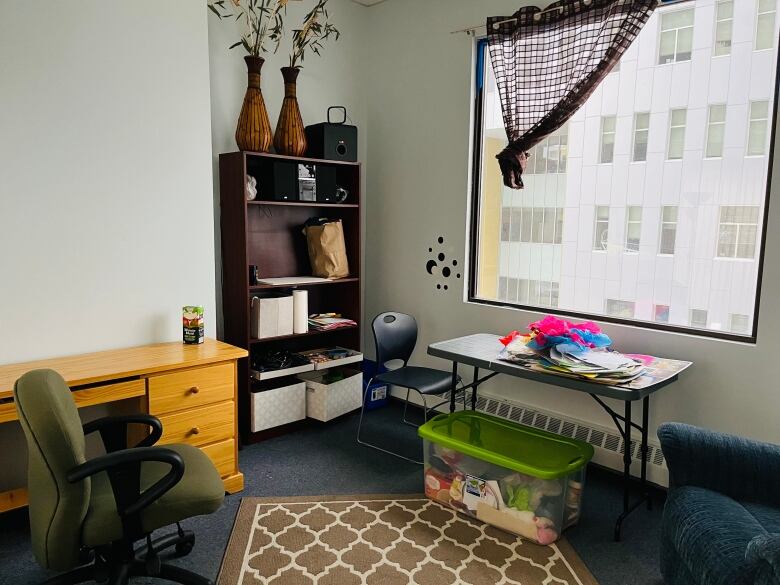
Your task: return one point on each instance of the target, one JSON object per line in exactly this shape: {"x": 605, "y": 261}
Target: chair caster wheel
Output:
{"x": 183, "y": 548}
{"x": 153, "y": 565}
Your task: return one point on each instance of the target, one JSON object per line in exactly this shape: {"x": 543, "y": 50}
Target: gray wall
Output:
{"x": 419, "y": 109}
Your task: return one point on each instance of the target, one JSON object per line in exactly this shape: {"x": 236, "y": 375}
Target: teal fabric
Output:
{"x": 721, "y": 521}
{"x": 55, "y": 444}
{"x": 200, "y": 491}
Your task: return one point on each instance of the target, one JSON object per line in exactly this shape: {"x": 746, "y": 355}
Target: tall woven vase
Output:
{"x": 290, "y": 136}
{"x": 253, "y": 131}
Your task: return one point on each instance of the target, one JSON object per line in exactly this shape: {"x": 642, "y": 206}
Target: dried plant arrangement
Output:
{"x": 315, "y": 31}
{"x": 263, "y": 22}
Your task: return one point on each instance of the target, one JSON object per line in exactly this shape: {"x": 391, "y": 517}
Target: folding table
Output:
{"x": 481, "y": 351}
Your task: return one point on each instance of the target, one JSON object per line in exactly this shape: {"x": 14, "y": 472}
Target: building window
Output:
{"x": 536, "y": 225}
{"x": 676, "y": 133}
{"x": 528, "y": 292}
{"x": 676, "y": 41}
{"x": 716, "y": 128}
{"x": 698, "y": 318}
{"x": 757, "y": 130}
{"x": 633, "y": 228}
{"x": 724, "y": 19}
{"x": 641, "y": 132}
{"x": 549, "y": 156}
{"x": 737, "y": 231}
{"x": 765, "y": 24}
{"x": 661, "y": 313}
{"x": 582, "y": 232}
{"x": 739, "y": 323}
{"x": 607, "y": 151}
{"x": 668, "y": 229}
{"x": 620, "y": 309}
{"x": 601, "y": 228}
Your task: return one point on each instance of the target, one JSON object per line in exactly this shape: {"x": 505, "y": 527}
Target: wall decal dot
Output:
{"x": 458, "y": 275}
{"x": 445, "y": 272}
{"x": 454, "y": 262}
{"x": 434, "y": 265}
{"x": 441, "y": 257}
{"x": 430, "y": 249}
{"x": 438, "y": 286}
{"x": 441, "y": 240}
{"x": 445, "y": 287}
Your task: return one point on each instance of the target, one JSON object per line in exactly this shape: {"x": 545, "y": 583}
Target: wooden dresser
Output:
{"x": 190, "y": 388}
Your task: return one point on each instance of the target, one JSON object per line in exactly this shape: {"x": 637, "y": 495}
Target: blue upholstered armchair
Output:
{"x": 721, "y": 522}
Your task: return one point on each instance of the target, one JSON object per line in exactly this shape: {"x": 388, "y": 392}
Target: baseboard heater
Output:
{"x": 607, "y": 442}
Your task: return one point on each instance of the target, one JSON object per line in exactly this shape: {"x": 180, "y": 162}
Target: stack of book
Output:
{"x": 328, "y": 321}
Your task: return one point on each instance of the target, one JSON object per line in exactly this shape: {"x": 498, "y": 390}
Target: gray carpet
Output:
{"x": 324, "y": 459}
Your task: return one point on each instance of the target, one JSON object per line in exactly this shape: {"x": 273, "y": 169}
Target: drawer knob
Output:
{"x": 194, "y": 390}
{"x": 195, "y": 431}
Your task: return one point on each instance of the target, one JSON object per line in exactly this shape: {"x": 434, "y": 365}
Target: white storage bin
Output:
{"x": 278, "y": 406}
{"x": 271, "y": 316}
{"x": 325, "y": 402}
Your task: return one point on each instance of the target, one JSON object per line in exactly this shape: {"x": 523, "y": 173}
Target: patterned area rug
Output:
{"x": 383, "y": 540}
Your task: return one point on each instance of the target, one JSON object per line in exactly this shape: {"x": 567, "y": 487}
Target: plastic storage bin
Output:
{"x": 522, "y": 480}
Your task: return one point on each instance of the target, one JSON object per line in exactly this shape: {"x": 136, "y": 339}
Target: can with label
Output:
{"x": 193, "y": 326}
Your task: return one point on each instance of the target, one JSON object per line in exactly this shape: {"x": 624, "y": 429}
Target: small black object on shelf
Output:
{"x": 332, "y": 140}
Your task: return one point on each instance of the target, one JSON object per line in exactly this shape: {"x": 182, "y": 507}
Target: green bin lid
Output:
{"x": 502, "y": 442}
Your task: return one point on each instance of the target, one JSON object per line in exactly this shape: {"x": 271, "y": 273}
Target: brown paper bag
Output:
{"x": 327, "y": 251}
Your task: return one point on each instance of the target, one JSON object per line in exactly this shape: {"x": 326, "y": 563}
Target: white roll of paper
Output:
{"x": 300, "y": 311}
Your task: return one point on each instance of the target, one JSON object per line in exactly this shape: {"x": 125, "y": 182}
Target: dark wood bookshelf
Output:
{"x": 268, "y": 234}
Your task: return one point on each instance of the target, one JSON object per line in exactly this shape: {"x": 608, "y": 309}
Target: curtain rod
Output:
{"x": 538, "y": 16}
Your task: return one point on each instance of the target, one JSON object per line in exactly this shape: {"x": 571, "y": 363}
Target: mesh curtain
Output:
{"x": 546, "y": 68}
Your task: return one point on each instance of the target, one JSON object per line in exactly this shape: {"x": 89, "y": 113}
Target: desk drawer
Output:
{"x": 200, "y": 426}
{"x": 191, "y": 388}
{"x": 223, "y": 456}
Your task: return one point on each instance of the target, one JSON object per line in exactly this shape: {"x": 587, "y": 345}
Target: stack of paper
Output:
{"x": 328, "y": 321}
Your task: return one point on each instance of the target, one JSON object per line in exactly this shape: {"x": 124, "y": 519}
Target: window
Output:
{"x": 757, "y": 130}
{"x": 668, "y": 229}
{"x": 528, "y": 292}
{"x": 661, "y": 313}
{"x": 724, "y": 19}
{"x": 582, "y": 233}
{"x": 676, "y": 133}
{"x": 633, "y": 227}
{"x": 739, "y": 323}
{"x": 620, "y": 309}
{"x": 549, "y": 156}
{"x": 765, "y": 24}
{"x": 607, "y": 139}
{"x": 537, "y": 225}
{"x": 676, "y": 40}
{"x": 698, "y": 318}
{"x": 737, "y": 231}
{"x": 716, "y": 128}
{"x": 601, "y": 228}
{"x": 641, "y": 131}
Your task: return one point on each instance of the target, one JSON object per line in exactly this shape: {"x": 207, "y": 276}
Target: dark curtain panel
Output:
{"x": 547, "y": 68}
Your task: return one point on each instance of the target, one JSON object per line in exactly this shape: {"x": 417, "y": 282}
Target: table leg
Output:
{"x": 626, "y": 469}
{"x": 454, "y": 388}
{"x": 474, "y": 389}
{"x": 644, "y": 450}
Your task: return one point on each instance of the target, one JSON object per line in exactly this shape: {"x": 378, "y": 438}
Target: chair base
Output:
{"x": 118, "y": 563}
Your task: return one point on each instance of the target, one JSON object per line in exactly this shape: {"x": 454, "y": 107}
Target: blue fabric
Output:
{"x": 721, "y": 522}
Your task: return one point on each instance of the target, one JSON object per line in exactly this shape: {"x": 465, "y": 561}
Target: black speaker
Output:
{"x": 326, "y": 184}
{"x": 280, "y": 184}
{"x": 332, "y": 141}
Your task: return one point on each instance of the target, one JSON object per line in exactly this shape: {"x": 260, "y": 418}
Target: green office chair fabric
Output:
{"x": 66, "y": 516}
{"x": 55, "y": 444}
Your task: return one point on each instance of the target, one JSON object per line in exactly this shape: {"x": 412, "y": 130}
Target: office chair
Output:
{"x": 395, "y": 335}
{"x": 86, "y": 515}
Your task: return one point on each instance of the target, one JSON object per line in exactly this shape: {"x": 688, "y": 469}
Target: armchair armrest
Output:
{"x": 734, "y": 466}
{"x": 113, "y": 430}
{"x": 124, "y": 471}
{"x": 763, "y": 552}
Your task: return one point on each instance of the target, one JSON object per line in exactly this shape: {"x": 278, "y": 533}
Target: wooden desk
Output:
{"x": 190, "y": 388}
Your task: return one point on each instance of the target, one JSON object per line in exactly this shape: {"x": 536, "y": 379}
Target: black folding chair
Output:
{"x": 395, "y": 335}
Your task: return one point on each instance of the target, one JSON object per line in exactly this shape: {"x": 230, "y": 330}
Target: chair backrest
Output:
{"x": 55, "y": 445}
{"x": 395, "y": 335}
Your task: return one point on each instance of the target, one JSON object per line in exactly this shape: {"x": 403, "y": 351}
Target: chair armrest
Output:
{"x": 763, "y": 552}
{"x": 734, "y": 466}
{"x": 124, "y": 471}
{"x": 113, "y": 430}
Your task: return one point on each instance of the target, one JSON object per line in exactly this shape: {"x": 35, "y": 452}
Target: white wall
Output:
{"x": 420, "y": 80}
{"x": 334, "y": 79}
{"x": 105, "y": 182}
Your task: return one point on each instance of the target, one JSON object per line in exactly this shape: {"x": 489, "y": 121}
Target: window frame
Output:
{"x": 661, "y": 31}
{"x": 471, "y": 279}
{"x": 730, "y": 19}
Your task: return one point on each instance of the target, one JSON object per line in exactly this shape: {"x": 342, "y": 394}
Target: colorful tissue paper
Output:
{"x": 561, "y": 334}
